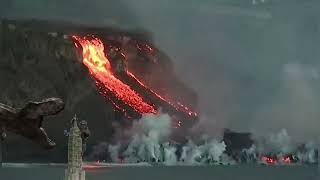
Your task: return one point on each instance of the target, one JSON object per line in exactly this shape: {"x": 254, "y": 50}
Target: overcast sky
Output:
{"x": 254, "y": 64}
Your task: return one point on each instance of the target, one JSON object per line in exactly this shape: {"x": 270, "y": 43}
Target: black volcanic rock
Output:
{"x": 27, "y": 121}
{"x": 236, "y": 142}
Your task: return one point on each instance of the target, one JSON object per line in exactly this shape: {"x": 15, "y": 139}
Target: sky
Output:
{"x": 253, "y": 63}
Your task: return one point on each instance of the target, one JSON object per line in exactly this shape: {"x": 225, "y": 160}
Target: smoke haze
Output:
{"x": 254, "y": 64}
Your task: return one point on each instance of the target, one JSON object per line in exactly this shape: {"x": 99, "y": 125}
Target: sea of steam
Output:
{"x": 149, "y": 140}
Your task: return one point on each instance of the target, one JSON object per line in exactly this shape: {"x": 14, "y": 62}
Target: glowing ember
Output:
{"x": 92, "y": 167}
{"x": 100, "y": 69}
{"x": 286, "y": 160}
{"x": 269, "y": 160}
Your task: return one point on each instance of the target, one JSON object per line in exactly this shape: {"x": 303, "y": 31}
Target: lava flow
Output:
{"x": 100, "y": 69}
{"x": 178, "y": 107}
{"x": 124, "y": 90}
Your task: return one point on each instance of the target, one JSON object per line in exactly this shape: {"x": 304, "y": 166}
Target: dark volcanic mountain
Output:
{"x": 38, "y": 59}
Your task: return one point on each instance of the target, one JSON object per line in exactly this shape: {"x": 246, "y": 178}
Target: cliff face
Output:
{"x": 38, "y": 60}
{"x": 36, "y": 63}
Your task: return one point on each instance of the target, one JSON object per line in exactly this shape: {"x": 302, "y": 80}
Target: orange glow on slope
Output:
{"x": 179, "y": 107}
{"x": 100, "y": 69}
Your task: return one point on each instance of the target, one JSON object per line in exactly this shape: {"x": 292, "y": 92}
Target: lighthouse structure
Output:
{"x": 74, "y": 170}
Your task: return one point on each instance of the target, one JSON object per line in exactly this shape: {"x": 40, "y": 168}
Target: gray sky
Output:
{"x": 254, "y": 64}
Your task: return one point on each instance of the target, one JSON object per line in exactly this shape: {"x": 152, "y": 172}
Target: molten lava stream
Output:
{"x": 100, "y": 69}
{"x": 179, "y": 107}
{"x": 164, "y": 102}
{"x": 128, "y": 111}
{"x": 153, "y": 98}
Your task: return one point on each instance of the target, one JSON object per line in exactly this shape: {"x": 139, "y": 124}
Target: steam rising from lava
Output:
{"x": 149, "y": 141}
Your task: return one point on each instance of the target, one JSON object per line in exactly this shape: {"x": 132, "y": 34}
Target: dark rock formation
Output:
{"x": 36, "y": 62}
{"x": 27, "y": 121}
{"x": 236, "y": 142}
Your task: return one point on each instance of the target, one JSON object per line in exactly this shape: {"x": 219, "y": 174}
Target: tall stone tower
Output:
{"x": 74, "y": 170}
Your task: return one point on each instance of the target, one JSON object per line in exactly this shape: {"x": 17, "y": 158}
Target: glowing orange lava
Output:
{"x": 178, "y": 107}
{"x": 99, "y": 66}
{"x": 269, "y": 160}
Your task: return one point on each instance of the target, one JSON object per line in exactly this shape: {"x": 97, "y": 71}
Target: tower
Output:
{"x": 3, "y": 136}
{"x": 74, "y": 170}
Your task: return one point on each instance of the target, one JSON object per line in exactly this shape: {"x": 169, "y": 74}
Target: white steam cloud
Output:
{"x": 281, "y": 144}
{"x": 149, "y": 140}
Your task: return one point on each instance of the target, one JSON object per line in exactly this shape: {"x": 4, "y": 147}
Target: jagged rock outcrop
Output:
{"x": 27, "y": 121}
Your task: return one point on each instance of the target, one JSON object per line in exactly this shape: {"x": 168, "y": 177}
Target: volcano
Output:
{"x": 127, "y": 69}
{"x": 129, "y": 77}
